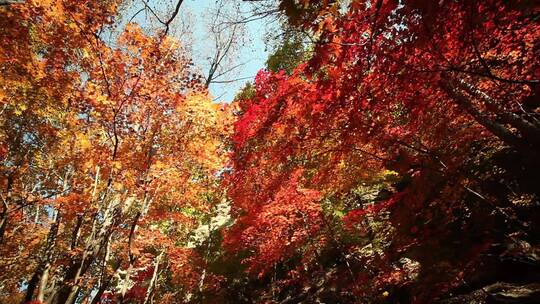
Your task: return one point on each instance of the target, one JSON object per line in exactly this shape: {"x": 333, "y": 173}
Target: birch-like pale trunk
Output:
{"x": 152, "y": 286}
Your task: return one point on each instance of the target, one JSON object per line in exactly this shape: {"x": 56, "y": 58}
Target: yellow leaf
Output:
{"x": 83, "y": 142}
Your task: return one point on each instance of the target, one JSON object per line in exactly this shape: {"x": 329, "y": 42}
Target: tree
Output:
{"x": 109, "y": 153}
{"x": 392, "y": 86}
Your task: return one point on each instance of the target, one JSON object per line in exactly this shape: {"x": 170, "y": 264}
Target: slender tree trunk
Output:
{"x": 43, "y": 283}
{"x": 51, "y": 289}
{"x": 36, "y": 217}
{"x": 97, "y": 297}
{"x": 10, "y": 2}
{"x": 3, "y": 222}
{"x": 5, "y": 210}
{"x": 87, "y": 259}
{"x": 41, "y": 274}
{"x": 131, "y": 255}
{"x": 105, "y": 282}
{"x": 152, "y": 286}
{"x": 69, "y": 290}
{"x": 76, "y": 232}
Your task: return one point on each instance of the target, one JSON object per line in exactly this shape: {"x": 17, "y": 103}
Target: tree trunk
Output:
{"x": 528, "y": 130}
{"x": 5, "y": 212}
{"x": 41, "y": 274}
{"x": 43, "y": 283}
{"x": 3, "y": 223}
{"x": 9, "y": 2}
{"x": 494, "y": 127}
{"x": 131, "y": 255}
{"x": 151, "y": 287}
{"x": 69, "y": 290}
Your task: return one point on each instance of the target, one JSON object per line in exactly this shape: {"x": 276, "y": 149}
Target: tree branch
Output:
{"x": 171, "y": 19}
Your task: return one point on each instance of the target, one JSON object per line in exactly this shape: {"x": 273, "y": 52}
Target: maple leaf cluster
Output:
{"x": 111, "y": 152}
{"x": 437, "y": 94}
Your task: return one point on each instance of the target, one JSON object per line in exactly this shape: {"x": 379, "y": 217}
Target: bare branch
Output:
{"x": 171, "y": 19}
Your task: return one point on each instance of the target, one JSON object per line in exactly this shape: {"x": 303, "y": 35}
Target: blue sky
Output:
{"x": 194, "y": 17}
{"x": 253, "y": 53}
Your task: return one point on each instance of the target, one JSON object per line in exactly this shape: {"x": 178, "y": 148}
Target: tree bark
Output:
{"x": 67, "y": 293}
{"x": 494, "y": 127}
{"x": 527, "y": 129}
{"x": 76, "y": 232}
{"x": 41, "y": 274}
{"x": 151, "y": 287}
{"x": 3, "y": 222}
{"x": 131, "y": 255}
{"x": 5, "y": 212}
{"x": 9, "y": 2}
